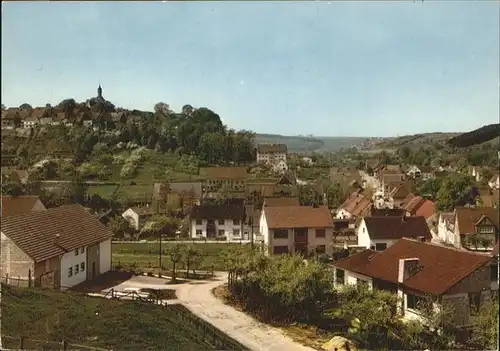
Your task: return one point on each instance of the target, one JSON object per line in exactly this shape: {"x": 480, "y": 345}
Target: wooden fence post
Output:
{"x": 6, "y": 278}
{"x": 21, "y": 343}
{"x": 64, "y": 345}
{"x": 18, "y": 280}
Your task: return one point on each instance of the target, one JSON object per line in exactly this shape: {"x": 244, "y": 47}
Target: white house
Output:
{"x": 301, "y": 229}
{"x": 280, "y": 166}
{"x": 494, "y": 182}
{"x": 138, "y": 216}
{"x": 30, "y": 122}
{"x": 414, "y": 172}
{"x": 379, "y": 233}
{"x": 59, "y": 247}
{"x": 271, "y": 153}
{"x": 356, "y": 205}
{"x": 420, "y": 274}
{"x": 446, "y": 228}
{"x": 213, "y": 220}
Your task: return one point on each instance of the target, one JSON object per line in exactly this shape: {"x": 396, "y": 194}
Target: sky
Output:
{"x": 292, "y": 68}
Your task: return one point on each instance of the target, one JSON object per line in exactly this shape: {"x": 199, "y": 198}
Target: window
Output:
{"x": 380, "y": 247}
{"x": 280, "y": 250}
{"x": 236, "y": 221}
{"x": 199, "y": 232}
{"x": 76, "y": 252}
{"x": 221, "y": 232}
{"x": 236, "y": 232}
{"x": 320, "y": 249}
{"x": 199, "y": 222}
{"x": 340, "y": 276}
{"x": 82, "y": 250}
{"x": 280, "y": 234}
{"x": 70, "y": 272}
{"x": 77, "y": 268}
{"x": 486, "y": 230}
{"x": 494, "y": 273}
{"x": 414, "y": 302}
{"x": 320, "y": 233}
{"x": 474, "y": 301}
{"x": 82, "y": 266}
{"x": 221, "y": 222}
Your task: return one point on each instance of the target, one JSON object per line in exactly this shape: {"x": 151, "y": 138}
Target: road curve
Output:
{"x": 198, "y": 298}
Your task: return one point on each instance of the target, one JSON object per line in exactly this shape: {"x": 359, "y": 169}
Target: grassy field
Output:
{"x": 97, "y": 322}
{"x": 104, "y": 191}
{"x": 134, "y": 193}
{"x": 146, "y": 255}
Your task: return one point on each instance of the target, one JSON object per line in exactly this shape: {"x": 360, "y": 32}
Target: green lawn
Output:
{"x": 104, "y": 191}
{"x": 134, "y": 193}
{"x": 91, "y": 321}
{"x": 147, "y": 255}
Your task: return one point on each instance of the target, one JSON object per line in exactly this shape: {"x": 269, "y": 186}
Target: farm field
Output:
{"x": 146, "y": 255}
{"x": 94, "y": 322}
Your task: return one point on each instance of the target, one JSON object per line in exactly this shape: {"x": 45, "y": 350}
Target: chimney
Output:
{"x": 56, "y": 239}
{"x": 407, "y": 268}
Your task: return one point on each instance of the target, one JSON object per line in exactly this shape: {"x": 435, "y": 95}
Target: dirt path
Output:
{"x": 198, "y": 298}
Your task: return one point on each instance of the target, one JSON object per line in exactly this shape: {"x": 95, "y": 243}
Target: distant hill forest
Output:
{"x": 477, "y": 136}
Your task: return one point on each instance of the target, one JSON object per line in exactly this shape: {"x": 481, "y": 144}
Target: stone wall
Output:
{"x": 14, "y": 261}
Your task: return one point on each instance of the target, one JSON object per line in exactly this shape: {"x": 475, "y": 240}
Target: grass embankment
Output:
{"x": 119, "y": 325}
{"x": 147, "y": 255}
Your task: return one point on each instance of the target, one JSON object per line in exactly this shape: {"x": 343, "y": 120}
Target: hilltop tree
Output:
{"x": 25, "y": 106}
{"x": 187, "y": 110}
{"x": 456, "y": 190}
{"x": 162, "y": 109}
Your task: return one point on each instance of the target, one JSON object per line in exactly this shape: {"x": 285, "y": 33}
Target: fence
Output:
{"x": 198, "y": 328}
{"x": 21, "y": 343}
{"x": 18, "y": 281}
{"x": 209, "y": 333}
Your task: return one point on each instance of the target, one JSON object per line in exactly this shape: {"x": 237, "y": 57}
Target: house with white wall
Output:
{"x": 446, "y": 228}
{"x": 380, "y": 233}
{"x": 422, "y": 273}
{"x": 355, "y": 206}
{"x": 217, "y": 220}
{"x": 59, "y": 247}
{"x": 271, "y": 153}
{"x": 137, "y": 216}
{"x": 494, "y": 182}
{"x": 478, "y": 223}
{"x": 297, "y": 229}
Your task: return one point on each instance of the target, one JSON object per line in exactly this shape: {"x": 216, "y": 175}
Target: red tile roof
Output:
{"x": 400, "y": 190}
{"x": 390, "y": 227}
{"x": 467, "y": 217}
{"x": 45, "y": 234}
{"x": 357, "y": 204}
{"x": 230, "y": 173}
{"x": 411, "y": 203}
{"x": 15, "y": 205}
{"x": 298, "y": 217}
{"x": 427, "y": 209}
{"x": 281, "y": 201}
{"x": 271, "y": 148}
{"x": 441, "y": 267}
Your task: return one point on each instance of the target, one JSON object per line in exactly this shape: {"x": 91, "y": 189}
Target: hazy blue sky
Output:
{"x": 328, "y": 69}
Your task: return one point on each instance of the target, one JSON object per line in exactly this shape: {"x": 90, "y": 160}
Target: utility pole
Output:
{"x": 159, "y": 257}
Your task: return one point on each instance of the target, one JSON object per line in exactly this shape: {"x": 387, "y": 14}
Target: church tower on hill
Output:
{"x": 99, "y": 92}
